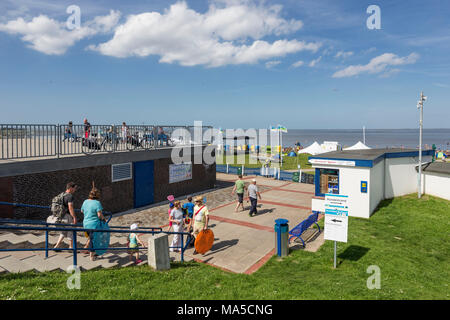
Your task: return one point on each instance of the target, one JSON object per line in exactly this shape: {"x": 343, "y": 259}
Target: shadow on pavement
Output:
{"x": 221, "y": 246}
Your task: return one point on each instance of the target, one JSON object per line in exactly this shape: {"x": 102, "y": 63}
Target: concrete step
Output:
{"x": 14, "y": 265}
{"x": 12, "y": 238}
{"x": 41, "y": 264}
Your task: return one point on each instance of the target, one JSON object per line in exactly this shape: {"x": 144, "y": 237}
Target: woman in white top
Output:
{"x": 176, "y": 217}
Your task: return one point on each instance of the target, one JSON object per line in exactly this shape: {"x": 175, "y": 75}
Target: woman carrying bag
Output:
{"x": 200, "y": 221}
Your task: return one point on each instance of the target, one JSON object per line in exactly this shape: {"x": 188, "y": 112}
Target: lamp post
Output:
{"x": 420, "y": 107}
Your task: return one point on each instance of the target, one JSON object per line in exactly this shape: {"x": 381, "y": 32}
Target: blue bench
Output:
{"x": 299, "y": 229}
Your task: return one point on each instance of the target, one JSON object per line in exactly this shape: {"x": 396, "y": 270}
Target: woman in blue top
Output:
{"x": 92, "y": 210}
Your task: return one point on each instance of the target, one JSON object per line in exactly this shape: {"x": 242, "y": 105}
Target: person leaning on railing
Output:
{"x": 92, "y": 210}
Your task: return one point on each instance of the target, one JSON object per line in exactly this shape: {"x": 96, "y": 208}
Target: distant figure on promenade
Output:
{"x": 239, "y": 188}
{"x": 92, "y": 210}
{"x": 68, "y": 132}
{"x": 253, "y": 195}
{"x": 176, "y": 217}
{"x": 87, "y": 128}
{"x": 124, "y": 132}
{"x": 64, "y": 204}
{"x": 133, "y": 243}
{"x": 200, "y": 218}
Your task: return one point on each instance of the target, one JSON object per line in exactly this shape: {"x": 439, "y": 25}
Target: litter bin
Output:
{"x": 281, "y": 237}
{"x": 239, "y": 171}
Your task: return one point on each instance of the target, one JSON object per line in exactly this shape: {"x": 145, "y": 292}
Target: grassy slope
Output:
{"x": 407, "y": 238}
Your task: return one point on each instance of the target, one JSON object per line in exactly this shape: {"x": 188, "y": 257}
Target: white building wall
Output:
{"x": 350, "y": 184}
{"x": 401, "y": 175}
{"x": 376, "y": 186}
{"x": 436, "y": 184}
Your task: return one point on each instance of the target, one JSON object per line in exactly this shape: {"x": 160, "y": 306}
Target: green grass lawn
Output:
{"x": 407, "y": 238}
{"x": 289, "y": 163}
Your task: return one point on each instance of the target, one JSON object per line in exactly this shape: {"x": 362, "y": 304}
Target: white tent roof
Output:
{"x": 357, "y": 146}
{"x": 313, "y": 149}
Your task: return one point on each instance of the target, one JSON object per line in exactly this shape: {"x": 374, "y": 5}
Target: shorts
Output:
{"x": 240, "y": 197}
{"x": 67, "y": 219}
{"x": 198, "y": 227}
{"x": 133, "y": 249}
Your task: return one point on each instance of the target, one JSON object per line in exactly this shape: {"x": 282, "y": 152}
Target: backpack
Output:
{"x": 58, "y": 209}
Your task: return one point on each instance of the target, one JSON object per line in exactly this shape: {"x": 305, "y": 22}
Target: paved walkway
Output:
{"x": 242, "y": 243}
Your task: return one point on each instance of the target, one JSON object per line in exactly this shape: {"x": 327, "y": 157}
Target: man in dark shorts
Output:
{"x": 239, "y": 187}
{"x": 69, "y": 217}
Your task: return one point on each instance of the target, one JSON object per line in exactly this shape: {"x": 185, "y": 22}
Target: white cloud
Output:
{"x": 343, "y": 54}
{"x": 228, "y": 33}
{"x": 315, "y": 61}
{"x": 377, "y": 65}
{"x": 52, "y": 37}
{"x": 273, "y": 63}
{"x": 298, "y": 64}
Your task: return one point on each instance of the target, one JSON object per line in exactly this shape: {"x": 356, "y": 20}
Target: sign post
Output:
{"x": 336, "y": 219}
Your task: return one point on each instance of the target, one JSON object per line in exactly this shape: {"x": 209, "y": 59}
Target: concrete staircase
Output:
{"x": 23, "y": 261}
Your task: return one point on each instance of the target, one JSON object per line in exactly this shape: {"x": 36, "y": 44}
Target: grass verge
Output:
{"x": 407, "y": 238}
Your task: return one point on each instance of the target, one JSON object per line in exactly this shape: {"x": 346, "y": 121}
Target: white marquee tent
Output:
{"x": 313, "y": 149}
{"x": 357, "y": 146}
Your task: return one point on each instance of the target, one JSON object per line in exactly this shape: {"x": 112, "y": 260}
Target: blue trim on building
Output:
{"x": 358, "y": 163}
{"x": 386, "y": 155}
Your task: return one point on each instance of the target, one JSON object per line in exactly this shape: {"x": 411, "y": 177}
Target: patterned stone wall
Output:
{"x": 40, "y": 188}
{"x": 6, "y": 195}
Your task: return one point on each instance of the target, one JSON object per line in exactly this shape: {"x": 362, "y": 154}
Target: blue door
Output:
{"x": 143, "y": 183}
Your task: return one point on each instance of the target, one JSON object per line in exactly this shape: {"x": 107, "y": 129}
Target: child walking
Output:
{"x": 133, "y": 243}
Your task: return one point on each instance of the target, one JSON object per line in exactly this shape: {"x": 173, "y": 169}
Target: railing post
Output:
{"x": 46, "y": 241}
{"x": 182, "y": 247}
{"x": 75, "y": 248}
{"x": 58, "y": 141}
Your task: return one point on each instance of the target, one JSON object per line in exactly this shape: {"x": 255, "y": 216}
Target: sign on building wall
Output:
{"x": 333, "y": 162}
{"x": 336, "y": 217}
{"x": 180, "y": 172}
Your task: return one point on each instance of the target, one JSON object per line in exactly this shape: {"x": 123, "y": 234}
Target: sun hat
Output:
{"x": 134, "y": 226}
{"x": 198, "y": 199}
{"x": 254, "y": 180}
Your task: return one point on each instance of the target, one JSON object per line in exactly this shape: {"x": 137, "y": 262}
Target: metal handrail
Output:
{"x": 106, "y": 213}
{"x": 20, "y": 141}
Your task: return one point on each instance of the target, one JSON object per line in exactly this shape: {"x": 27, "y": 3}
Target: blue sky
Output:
{"x": 230, "y": 63}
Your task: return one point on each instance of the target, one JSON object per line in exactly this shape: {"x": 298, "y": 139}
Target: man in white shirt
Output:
{"x": 253, "y": 195}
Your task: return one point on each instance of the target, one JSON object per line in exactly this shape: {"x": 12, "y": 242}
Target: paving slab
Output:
{"x": 301, "y": 200}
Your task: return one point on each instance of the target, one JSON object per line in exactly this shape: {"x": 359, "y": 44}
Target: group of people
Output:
{"x": 93, "y": 218}
{"x": 192, "y": 217}
{"x": 252, "y": 194}
{"x": 69, "y": 133}
{"x": 92, "y": 211}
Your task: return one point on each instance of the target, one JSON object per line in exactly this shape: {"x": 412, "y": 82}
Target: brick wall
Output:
{"x": 40, "y": 188}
